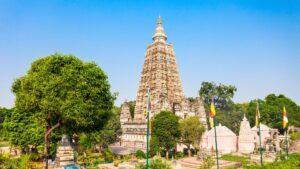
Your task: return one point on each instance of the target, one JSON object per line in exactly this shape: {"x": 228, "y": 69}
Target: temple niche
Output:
{"x": 161, "y": 75}
{"x": 246, "y": 137}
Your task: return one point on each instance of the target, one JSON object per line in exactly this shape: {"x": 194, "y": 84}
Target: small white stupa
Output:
{"x": 246, "y": 137}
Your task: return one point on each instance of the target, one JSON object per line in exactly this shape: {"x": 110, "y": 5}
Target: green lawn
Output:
{"x": 4, "y": 144}
{"x": 292, "y": 163}
{"x": 244, "y": 160}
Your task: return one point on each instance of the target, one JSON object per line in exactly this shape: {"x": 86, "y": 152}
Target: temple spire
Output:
{"x": 159, "y": 35}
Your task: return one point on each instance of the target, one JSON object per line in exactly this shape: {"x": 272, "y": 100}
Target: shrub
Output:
{"x": 208, "y": 163}
{"x": 25, "y": 161}
{"x": 140, "y": 154}
{"x": 156, "y": 163}
{"x": 179, "y": 154}
{"x": 7, "y": 163}
{"x": 108, "y": 156}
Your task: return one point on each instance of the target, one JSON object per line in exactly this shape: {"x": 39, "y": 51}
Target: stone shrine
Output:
{"x": 161, "y": 75}
{"x": 246, "y": 137}
{"x": 227, "y": 140}
{"x": 64, "y": 155}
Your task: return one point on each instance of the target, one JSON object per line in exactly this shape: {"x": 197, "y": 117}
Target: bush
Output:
{"x": 179, "y": 154}
{"x": 156, "y": 163}
{"x": 208, "y": 163}
{"x": 108, "y": 156}
{"x": 7, "y": 163}
{"x": 140, "y": 154}
{"x": 25, "y": 161}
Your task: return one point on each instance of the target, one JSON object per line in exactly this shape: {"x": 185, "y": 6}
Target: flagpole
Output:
{"x": 147, "y": 152}
{"x": 216, "y": 142}
{"x": 259, "y": 132}
{"x": 260, "y": 148}
{"x": 287, "y": 144}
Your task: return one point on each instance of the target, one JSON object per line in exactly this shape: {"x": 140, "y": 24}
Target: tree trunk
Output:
{"x": 46, "y": 150}
{"x": 49, "y": 130}
{"x": 189, "y": 150}
{"x": 167, "y": 154}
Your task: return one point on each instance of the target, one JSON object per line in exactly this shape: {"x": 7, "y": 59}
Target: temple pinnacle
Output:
{"x": 159, "y": 35}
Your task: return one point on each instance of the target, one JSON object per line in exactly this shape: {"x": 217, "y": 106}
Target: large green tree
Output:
{"x": 191, "y": 132}
{"x": 166, "y": 129}
{"x": 61, "y": 92}
{"x": 221, "y": 94}
{"x": 271, "y": 110}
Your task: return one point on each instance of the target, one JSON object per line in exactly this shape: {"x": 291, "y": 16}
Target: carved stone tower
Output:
{"x": 160, "y": 74}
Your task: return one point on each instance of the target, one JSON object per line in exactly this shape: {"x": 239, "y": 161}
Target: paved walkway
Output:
{"x": 194, "y": 163}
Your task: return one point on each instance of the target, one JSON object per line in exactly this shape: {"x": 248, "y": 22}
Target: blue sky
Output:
{"x": 254, "y": 45}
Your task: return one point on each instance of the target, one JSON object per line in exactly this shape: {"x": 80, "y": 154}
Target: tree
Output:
{"x": 62, "y": 92}
{"x": 154, "y": 146}
{"x": 232, "y": 118}
{"x": 271, "y": 111}
{"x": 109, "y": 134}
{"x": 166, "y": 129}
{"x": 191, "y": 132}
{"x": 221, "y": 94}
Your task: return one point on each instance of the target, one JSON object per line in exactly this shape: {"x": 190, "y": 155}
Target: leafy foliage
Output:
{"x": 108, "y": 155}
{"x": 22, "y": 162}
{"x": 154, "y": 145}
{"x": 108, "y": 135}
{"x": 191, "y": 131}
{"x": 59, "y": 92}
{"x": 271, "y": 111}
{"x": 166, "y": 129}
{"x": 221, "y": 94}
{"x": 231, "y": 118}
{"x": 156, "y": 163}
{"x": 207, "y": 163}
{"x": 4, "y": 113}
{"x": 140, "y": 154}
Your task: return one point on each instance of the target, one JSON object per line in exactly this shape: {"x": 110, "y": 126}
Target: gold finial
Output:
{"x": 159, "y": 20}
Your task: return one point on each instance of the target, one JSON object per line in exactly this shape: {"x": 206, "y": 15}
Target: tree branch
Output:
{"x": 53, "y": 127}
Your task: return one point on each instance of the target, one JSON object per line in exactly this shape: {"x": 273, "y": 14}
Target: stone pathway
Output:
{"x": 185, "y": 163}
{"x": 193, "y": 163}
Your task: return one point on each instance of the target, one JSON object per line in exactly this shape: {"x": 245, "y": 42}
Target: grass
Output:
{"x": 241, "y": 159}
{"x": 292, "y": 163}
{"x": 295, "y": 136}
{"x": 4, "y": 144}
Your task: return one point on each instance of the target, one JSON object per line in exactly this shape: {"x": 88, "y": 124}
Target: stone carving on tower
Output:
{"x": 160, "y": 74}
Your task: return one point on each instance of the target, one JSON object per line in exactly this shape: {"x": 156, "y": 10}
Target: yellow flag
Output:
{"x": 257, "y": 116}
{"x": 212, "y": 110}
{"x": 285, "y": 119}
